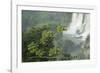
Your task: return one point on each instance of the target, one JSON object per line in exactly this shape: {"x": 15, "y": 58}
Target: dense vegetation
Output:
{"x": 38, "y": 44}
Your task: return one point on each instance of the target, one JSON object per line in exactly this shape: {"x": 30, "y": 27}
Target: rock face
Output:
{"x": 76, "y": 38}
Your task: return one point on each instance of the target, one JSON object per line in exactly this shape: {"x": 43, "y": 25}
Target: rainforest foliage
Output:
{"x": 38, "y": 44}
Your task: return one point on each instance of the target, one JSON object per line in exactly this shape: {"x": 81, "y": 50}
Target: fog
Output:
{"x": 75, "y": 39}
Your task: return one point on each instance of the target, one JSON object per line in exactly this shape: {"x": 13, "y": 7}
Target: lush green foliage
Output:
{"x": 38, "y": 44}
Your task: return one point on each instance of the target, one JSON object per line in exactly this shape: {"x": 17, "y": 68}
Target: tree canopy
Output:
{"x": 38, "y": 44}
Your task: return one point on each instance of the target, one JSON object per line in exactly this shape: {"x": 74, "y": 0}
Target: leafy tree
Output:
{"x": 38, "y": 45}
{"x": 59, "y": 28}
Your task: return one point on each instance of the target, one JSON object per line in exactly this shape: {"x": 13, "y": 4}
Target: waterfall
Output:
{"x": 79, "y": 26}
{"x": 77, "y": 33}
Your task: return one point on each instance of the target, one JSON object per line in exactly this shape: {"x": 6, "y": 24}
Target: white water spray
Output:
{"x": 79, "y": 26}
{"x": 77, "y": 32}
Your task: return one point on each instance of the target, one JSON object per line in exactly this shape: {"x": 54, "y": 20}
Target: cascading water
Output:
{"x": 77, "y": 33}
